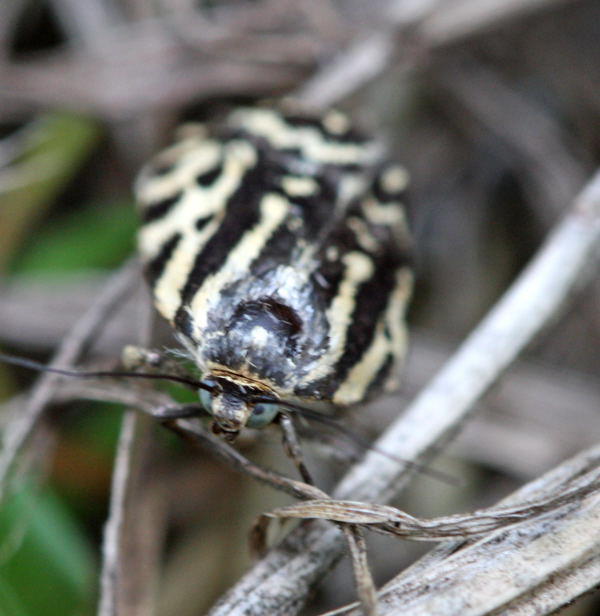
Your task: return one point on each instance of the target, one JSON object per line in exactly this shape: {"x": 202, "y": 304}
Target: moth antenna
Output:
{"x": 363, "y": 443}
{"x": 13, "y": 360}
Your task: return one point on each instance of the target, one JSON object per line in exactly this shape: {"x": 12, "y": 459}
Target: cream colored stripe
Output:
{"x": 366, "y": 240}
{"x": 273, "y": 209}
{"x": 198, "y": 202}
{"x": 361, "y": 375}
{"x": 272, "y": 126}
{"x": 190, "y": 158}
{"x": 395, "y": 179}
{"x": 392, "y": 214}
{"x": 396, "y": 310}
{"x": 299, "y": 186}
{"x": 353, "y": 389}
{"x": 359, "y": 267}
{"x": 167, "y": 290}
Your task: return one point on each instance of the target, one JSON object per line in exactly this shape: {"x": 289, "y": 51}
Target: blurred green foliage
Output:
{"x": 99, "y": 236}
{"x": 43, "y": 157}
{"x": 48, "y": 534}
{"x": 46, "y": 564}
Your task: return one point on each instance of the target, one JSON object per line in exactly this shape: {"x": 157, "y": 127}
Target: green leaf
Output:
{"x": 96, "y": 237}
{"x": 47, "y": 567}
{"x": 50, "y": 151}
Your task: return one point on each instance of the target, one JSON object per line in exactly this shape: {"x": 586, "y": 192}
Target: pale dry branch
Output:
{"x": 392, "y": 521}
{"x": 430, "y": 25}
{"x": 117, "y": 92}
{"x": 349, "y": 71}
{"x": 21, "y": 428}
{"x": 504, "y": 570}
{"x": 365, "y": 586}
{"x": 498, "y": 569}
{"x": 112, "y": 573}
{"x": 535, "y": 416}
{"x": 540, "y": 488}
{"x": 87, "y": 22}
{"x": 145, "y": 399}
{"x": 560, "y": 589}
{"x": 155, "y": 70}
{"x": 135, "y": 530}
{"x": 132, "y": 543}
{"x": 282, "y": 580}
{"x": 35, "y": 315}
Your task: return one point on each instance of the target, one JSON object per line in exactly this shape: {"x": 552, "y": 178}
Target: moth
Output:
{"x": 276, "y": 245}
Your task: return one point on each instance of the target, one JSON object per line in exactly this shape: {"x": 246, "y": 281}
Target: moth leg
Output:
{"x": 135, "y": 358}
{"x": 292, "y": 447}
{"x": 330, "y": 447}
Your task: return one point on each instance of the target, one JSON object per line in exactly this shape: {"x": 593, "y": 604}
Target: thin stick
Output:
{"x": 362, "y": 574}
{"x": 22, "y": 427}
{"x": 291, "y": 445}
{"x": 191, "y": 431}
{"x": 389, "y": 520}
{"x": 134, "y": 531}
{"x": 497, "y": 557}
{"x": 283, "y": 579}
{"x": 110, "y": 578}
{"x": 132, "y": 542}
{"x": 351, "y": 70}
{"x": 432, "y": 23}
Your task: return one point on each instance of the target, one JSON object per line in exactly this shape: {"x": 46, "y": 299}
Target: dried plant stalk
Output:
{"x": 533, "y": 567}
{"x": 21, "y": 428}
{"x": 135, "y": 526}
{"x": 112, "y": 573}
{"x": 392, "y": 521}
{"x": 280, "y": 583}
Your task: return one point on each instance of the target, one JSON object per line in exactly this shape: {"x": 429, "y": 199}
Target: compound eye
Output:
{"x": 262, "y": 414}
{"x": 206, "y": 396}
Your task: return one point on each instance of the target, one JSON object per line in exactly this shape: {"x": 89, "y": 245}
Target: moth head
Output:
{"x": 233, "y": 406}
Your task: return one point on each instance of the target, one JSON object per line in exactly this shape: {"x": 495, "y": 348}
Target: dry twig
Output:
{"x": 166, "y": 74}
{"x": 112, "y": 573}
{"x": 20, "y": 429}
{"x": 135, "y": 529}
{"x": 392, "y": 521}
{"x": 432, "y": 24}
{"x": 537, "y": 564}
{"x": 132, "y": 542}
{"x": 282, "y": 580}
